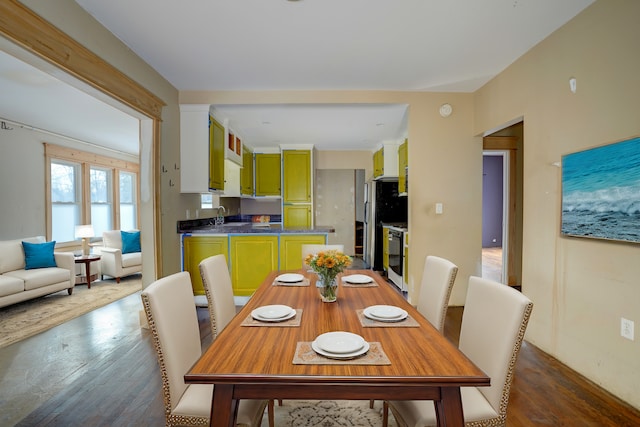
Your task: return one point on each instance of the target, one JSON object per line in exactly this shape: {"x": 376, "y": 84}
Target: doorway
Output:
{"x": 495, "y": 169}
{"x": 502, "y": 192}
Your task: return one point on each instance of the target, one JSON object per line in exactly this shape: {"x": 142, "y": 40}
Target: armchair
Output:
{"x": 114, "y": 261}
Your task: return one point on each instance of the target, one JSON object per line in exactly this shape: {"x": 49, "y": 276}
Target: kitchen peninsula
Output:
{"x": 252, "y": 250}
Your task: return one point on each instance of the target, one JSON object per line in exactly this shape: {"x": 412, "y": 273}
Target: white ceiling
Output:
{"x": 405, "y": 45}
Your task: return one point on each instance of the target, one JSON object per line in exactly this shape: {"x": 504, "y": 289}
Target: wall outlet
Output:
{"x": 626, "y": 328}
{"x": 438, "y": 208}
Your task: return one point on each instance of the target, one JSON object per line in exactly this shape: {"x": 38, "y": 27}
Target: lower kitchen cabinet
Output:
{"x": 291, "y": 248}
{"x": 252, "y": 259}
{"x": 197, "y": 248}
{"x": 385, "y": 248}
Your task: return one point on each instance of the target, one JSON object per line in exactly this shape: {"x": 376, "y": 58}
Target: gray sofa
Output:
{"x": 18, "y": 284}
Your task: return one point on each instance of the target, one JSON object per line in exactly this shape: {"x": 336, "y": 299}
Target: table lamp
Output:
{"x": 85, "y": 232}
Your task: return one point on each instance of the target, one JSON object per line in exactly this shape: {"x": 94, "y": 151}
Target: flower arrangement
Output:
{"x": 328, "y": 264}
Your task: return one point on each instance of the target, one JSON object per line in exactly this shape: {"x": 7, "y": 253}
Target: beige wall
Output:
{"x": 581, "y": 288}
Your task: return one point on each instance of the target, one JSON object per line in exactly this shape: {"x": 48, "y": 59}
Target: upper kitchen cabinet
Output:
{"x": 267, "y": 174}
{"x": 385, "y": 161}
{"x": 233, "y": 150}
{"x": 378, "y": 163}
{"x": 246, "y": 175}
{"x": 403, "y": 168}
{"x": 194, "y": 148}
{"x": 216, "y": 155}
{"x": 296, "y": 176}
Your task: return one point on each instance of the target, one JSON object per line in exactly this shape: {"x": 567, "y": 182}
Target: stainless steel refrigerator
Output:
{"x": 382, "y": 205}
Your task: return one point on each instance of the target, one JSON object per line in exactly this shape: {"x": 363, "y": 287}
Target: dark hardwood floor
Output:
{"x": 100, "y": 370}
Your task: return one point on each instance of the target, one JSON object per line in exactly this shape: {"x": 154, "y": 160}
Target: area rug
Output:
{"x": 328, "y": 413}
{"x": 28, "y": 318}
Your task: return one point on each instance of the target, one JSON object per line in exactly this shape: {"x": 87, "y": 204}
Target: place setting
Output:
{"x": 386, "y": 316}
{"x": 291, "y": 279}
{"x": 340, "y": 347}
{"x": 273, "y": 315}
{"x": 358, "y": 281}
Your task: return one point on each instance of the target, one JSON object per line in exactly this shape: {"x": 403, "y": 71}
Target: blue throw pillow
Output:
{"x": 39, "y": 255}
{"x": 130, "y": 242}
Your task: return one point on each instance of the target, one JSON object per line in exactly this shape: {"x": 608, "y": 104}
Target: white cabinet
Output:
{"x": 231, "y": 179}
{"x": 194, "y": 148}
{"x": 390, "y": 159}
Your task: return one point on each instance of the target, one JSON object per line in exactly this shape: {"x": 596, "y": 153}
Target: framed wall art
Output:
{"x": 601, "y": 192}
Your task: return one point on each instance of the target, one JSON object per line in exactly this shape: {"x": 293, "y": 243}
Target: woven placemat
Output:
{"x": 409, "y": 322}
{"x": 371, "y": 284}
{"x": 305, "y": 355}
{"x": 304, "y": 282}
{"x": 294, "y": 321}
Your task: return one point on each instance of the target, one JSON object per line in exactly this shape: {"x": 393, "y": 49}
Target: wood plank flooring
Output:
{"x": 100, "y": 370}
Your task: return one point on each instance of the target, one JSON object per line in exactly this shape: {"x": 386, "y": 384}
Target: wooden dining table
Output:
{"x": 257, "y": 362}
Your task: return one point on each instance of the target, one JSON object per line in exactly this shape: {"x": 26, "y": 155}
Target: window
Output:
{"x": 128, "y": 201}
{"x": 101, "y": 196}
{"x": 85, "y": 188}
{"x": 65, "y": 200}
{"x": 206, "y": 201}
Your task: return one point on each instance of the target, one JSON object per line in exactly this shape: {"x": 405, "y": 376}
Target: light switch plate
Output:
{"x": 438, "y": 208}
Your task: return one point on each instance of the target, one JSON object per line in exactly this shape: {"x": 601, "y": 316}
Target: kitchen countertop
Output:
{"x": 251, "y": 228}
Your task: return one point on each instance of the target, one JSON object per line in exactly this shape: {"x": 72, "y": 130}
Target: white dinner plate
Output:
{"x": 357, "y": 279}
{"x": 290, "y": 278}
{"x": 340, "y": 342}
{"x": 272, "y": 312}
{"x": 360, "y": 352}
{"x": 385, "y": 313}
{"x": 279, "y": 319}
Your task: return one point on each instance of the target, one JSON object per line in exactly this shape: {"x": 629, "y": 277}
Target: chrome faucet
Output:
{"x": 220, "y": 216}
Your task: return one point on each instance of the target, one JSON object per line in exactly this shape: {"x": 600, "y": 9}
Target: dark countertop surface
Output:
{"x": 244, "y": 225}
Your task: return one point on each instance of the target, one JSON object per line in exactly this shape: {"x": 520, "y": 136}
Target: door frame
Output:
{"x": 509, "y": 146}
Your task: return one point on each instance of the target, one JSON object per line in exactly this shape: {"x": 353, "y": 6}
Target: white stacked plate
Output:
{"x": 357, "y": 279}
{"x": 273, "y": 313}
{"x": 290, "y": 278}
{"x": 385, "y": 313}
{"x": 340, "y": 345}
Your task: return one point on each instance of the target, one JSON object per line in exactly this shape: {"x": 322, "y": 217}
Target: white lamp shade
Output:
{"x": 83, "y": 231}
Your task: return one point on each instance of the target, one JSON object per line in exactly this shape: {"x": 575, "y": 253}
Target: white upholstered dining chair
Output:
{"x": 438, "y": 277}
{"x": 219, "y": 292}
{"x": 493, "y": 325}
{"x": 173, "y": 322}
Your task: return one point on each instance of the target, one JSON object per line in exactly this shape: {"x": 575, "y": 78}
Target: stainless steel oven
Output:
{"x": 396, "y": 261}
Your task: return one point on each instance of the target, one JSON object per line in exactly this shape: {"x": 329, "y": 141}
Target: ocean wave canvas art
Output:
{"x": 601, "y": 192}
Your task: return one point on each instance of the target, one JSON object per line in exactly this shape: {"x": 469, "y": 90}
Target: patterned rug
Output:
{"x": 328, "y": 413}
{"x": 28, "y": 318}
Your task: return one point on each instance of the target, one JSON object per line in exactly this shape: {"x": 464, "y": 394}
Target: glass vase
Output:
{"x": 328, "y": 288}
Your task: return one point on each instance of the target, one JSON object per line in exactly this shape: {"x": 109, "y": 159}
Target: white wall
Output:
{"x": 22, "y": 179}
{"x": 335, "y": 205}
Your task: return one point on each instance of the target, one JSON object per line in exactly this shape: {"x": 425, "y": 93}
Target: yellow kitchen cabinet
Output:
{"x": 246, "y": 175}
{"x": 216, "y": 155}
{"x": 296, "y": 216}
{"x": 378, "y": 163}
{"x": 197, "y": 248}
{"x": 267, "y": 170}
{"x": 402, "y": 166}
{"x": 252, "y": 259}
{"x": 291, "y": 248}
{"x": 405, "y": 268}
{"x": 385, "y": 248}
{"x": 296, "y": 176}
